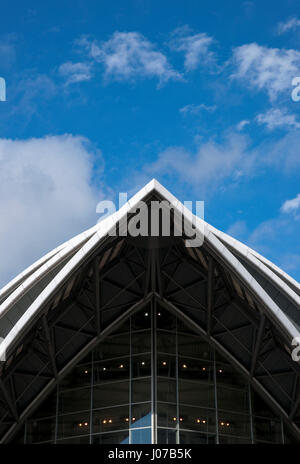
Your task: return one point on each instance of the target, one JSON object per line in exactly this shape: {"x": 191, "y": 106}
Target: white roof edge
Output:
{"x": 106, "y": 226}
{"x": 28, "y": 278}
{"x": 262, "y": 264}
{"x": 25, "y": 276}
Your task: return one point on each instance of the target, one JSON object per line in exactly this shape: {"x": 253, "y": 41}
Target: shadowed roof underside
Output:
{"x": 58, "y": 309}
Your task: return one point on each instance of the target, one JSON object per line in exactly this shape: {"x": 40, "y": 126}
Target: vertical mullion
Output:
{"x": 177, "y": 386}
{"x": 92, "y": 399}
{"x": 56, "y": 413}
{"x": 153, "y": 374}
{"x": 25, "y": 433}
{"x": 282, "y": 431}
{"x": 250, "y": 413}
{"x": 130, "y": 379}
{"x": 216, "y": 397}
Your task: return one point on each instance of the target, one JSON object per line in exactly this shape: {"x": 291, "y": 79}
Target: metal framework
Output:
{"x": 97, "y": 281}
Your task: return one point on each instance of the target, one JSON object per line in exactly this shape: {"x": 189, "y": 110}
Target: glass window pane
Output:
{"x": 194, "y": 438}
{"x": 196, "y": 393}
{"x": 72, "y": 400}
{"x": 166, "y": 342}
{"x": 78, "y": 377}
{"x": 198, "y": 419}
{"x": 228, "y": 376}
{"x": 167, "y": 415}
{"x": 166, "y": 390}
{"x": 141, "y": 415}
{"x": 234, "y": 424}
{"x": 194, "y": 347}
{"x": 141, "y": 365}
{"x": 141, "y": 342}
{"x": 141, "y": 390}
{"x": 73, "y": 424}
{"x": 166, "y": 436}
{"x": 113, "y": 347}
{"x": 111, "y": 394}
{"x": 109, "y": 419}
{"x": 141, "y": 436}
{"x": 117, "y": 438}
{"x": 233, "y": 399}
{"x": 194, "y": 369}
{"x": 166, "y": 365}
{"x": 109, "y": 371}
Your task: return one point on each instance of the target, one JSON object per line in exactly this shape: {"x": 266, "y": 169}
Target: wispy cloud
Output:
{"x": 29, "y": 92}
{"x": 237, "y": 230}
{"x": 263, "y": 68}
{"x": 290, "y": 24}
{"x": 283, "y": 153}
{"x": 291, "y": 206}
{"x": 196, "y": 48}
{"x": 196, "y": 109}
{"x": 211, "y": 164}
{"x": 273, "y": 238}
{"x": 242, "y": 124}
{"x": 277, "y": 118}
{"x": 128, "y": 56}
{"x": 75, "y": 72}
{"x": 7, "y": 52}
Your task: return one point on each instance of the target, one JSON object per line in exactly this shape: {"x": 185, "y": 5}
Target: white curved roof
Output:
{"x": 22, "y": 299}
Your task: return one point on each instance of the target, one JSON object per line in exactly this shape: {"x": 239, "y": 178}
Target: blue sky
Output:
{"x": 103, "y": 96}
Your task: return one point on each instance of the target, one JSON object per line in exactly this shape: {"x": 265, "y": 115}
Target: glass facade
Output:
{"x": 154, "y": 381}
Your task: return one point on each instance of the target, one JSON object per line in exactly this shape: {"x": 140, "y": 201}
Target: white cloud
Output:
{"x": 46, "y": 196}
{"x": 263, "y": 68}
{"x": 291, "y": 206}
{"x": 288, "y": 25}
{"x": 276, "y": 117}
{"x": 195, "y": 109}
{"x": 196, "y": 48}
{"x": 30, "y": 92}
{"x": 129, "y": 55}
{"x": 75, "y": 72}
{"x": 7, "y": 53}
{"x": 290, "y": 262}
{"x": 212, "y": 163}
{"x": 240, "y": 126}
{"x": 275, "y": 238}
{"x": 282, "y": 154}
{"x": 237, "y": 230}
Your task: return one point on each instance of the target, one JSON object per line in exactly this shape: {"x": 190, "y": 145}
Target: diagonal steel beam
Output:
{"x": 19, "y": 421}
{"x": 259, "y": 338}
{"x": 183, "y": 289}
{"x": 51, "y": 350}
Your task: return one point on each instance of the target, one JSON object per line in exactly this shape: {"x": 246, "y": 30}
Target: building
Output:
{"x": 121, "y": 339}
